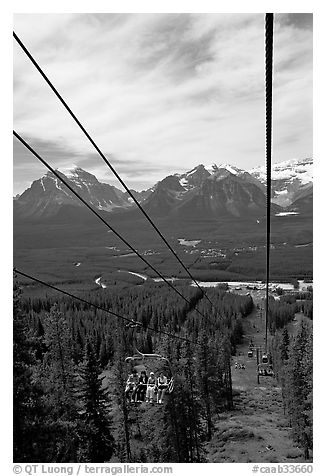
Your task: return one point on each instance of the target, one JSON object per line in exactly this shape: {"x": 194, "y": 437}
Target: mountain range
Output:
{"x": 203, "y": 192}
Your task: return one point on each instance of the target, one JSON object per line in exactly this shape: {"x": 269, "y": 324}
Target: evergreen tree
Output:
{"x": 285, "y": 345}
{"x": 299, "y": 386}
{"x": 27, "y": 406}
{"x": 120, "y": 378}
{"x": 180, "y": 435}
{"x": 56, "y": 373}
{"x": 97, "y": 444}
{"x": 209, "y": 383}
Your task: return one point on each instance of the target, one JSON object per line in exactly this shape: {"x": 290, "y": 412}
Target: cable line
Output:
{"x": 37, "y": 66}
{"x": 100, "y": 308}
{"x": 269, "y": 19}
{"x": 43, "y": 161}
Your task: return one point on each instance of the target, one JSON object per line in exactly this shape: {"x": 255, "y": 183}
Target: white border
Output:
{"x": 142, "y": 6}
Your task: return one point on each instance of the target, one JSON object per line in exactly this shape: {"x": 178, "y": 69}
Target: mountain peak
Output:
{"x": 76, "y": 173}
{"x": 231, "y": 168}
{"x": 71, "y": 171}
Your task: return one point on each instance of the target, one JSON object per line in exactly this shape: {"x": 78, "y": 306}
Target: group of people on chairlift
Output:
{"x": 144, "y": 388}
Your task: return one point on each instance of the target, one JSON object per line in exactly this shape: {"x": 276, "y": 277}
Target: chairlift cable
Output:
{"x": 269, "y": 20}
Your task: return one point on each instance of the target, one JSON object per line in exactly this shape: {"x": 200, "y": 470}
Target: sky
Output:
{"x": 159, "y": 93}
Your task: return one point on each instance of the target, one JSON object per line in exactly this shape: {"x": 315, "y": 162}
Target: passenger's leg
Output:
{"x": 142, "y": 393}
{"x": 151, "y": 394}
{"x": 162, "y": 394}
{"x": 159, "y": 393}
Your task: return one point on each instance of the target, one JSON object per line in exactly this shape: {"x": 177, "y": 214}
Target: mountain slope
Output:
{"x": 304, "y": 202}
{"x": 48, "y": 194}
{"x": 223, "y": 194}
{"x": 288, "y": 179}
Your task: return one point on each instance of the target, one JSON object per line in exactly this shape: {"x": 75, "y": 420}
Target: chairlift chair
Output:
{"x": 152, "y": 363}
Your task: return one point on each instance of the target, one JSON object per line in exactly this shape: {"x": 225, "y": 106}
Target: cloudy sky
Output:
{"x": 159, "y": 93}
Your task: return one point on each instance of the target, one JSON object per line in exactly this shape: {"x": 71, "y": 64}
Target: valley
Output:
{"x": 212, "y": 216}
{"x": 224, "y": 251}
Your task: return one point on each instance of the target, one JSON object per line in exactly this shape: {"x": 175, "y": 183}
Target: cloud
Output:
{"x": 160, "y": 93}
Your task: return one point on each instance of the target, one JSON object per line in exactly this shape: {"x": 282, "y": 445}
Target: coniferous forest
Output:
{"x": 70, "y": 372}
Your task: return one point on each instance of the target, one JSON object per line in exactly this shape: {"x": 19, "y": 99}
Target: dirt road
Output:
{"x": 257, "y": 430}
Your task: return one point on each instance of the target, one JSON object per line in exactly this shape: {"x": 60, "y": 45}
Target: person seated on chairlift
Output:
{"x": 151, "y": 384}
{"x": 162, "y": 385}
{"x": 131, "y": 387}
{"x": 142, "y": 387}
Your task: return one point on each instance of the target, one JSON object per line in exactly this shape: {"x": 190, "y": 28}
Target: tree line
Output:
{"x": 282, "y": 311}
{"x": 292, "y": 357}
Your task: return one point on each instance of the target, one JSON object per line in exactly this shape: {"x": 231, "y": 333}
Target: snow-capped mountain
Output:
{"x": 208, "y": 192}
{"x": 47, "y": 194}
{"x": 289, "y": 179}
{"x": 205, "y": 190}
{"x": 194, "y": 177}
{"x": 224, "y": 194}
{"x": 198, "y": 174}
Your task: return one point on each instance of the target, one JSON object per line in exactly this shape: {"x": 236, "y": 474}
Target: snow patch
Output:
{"x": 142, "y": 276}
{"x": 300, "y": 169}
{"x": 98, "y": 282}
{"x": 285, "y": 214}
{"x": 70, "y": 171}
{"x": 212, "y": 168}
{"x": 183, "y": 182}
{"x": 230, "y": 168}
{"x": 184, "y": 242}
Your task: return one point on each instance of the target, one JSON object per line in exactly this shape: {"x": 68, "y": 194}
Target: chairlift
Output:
{"x": 250, "y": 354}
{"x": 264, "y": 359}
{"x": 134, "y": 325}
{"x": 156, "y": 363}
{"x": 265, "y": 370}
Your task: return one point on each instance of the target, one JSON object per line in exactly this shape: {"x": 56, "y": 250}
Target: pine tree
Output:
{"x": 180, "y": 435}
{"x": 285, "y": 345}
{"x": 27, "y": 394}
{"x": 120, "y": 378}
{"x": 58, "y": 366}
{"x": 206, "y": 378}
{"x": 97, "y": 444}
{"x": 56, "y": 373}
{"x": 299, "y": 386}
